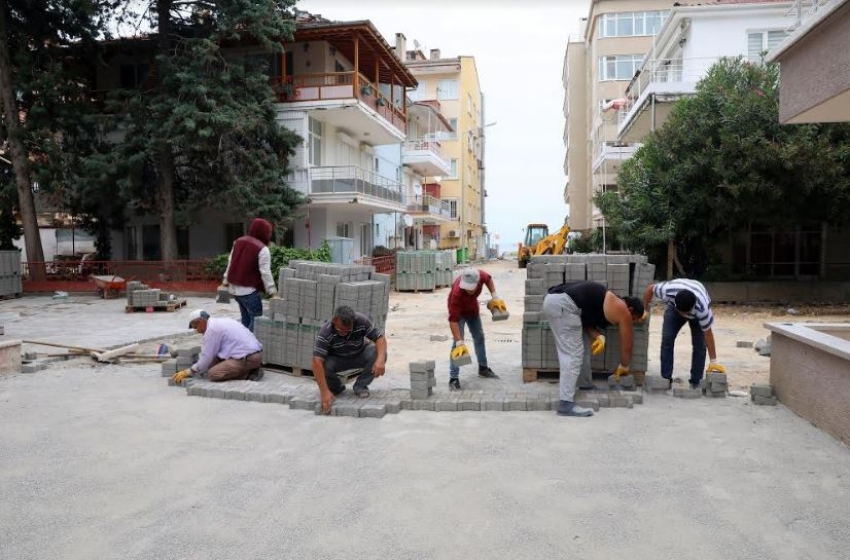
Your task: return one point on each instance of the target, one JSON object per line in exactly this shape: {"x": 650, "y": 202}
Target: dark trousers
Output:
{"x": 250, "y": 306}
{"x": 673, "y": 323}
{"x": 365, "y": 360}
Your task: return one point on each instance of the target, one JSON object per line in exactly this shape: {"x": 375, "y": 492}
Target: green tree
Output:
{"x": 723, "y": 161}
{"x": 201, "y": 129}
{"x": 39, "y": 93}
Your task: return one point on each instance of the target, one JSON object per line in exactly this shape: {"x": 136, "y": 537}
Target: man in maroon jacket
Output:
{"x": 249, "y": 270}
{"x": 463, "y": 310}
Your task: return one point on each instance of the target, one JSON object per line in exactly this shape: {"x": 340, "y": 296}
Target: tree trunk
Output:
{"x": 20, "y": 162}
{"x": 165, "y": 161}
{"x": 671, "y": 255}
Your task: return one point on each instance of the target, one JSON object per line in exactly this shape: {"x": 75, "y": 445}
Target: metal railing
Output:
{"x": 429, "y": 204}
{"x": 428, "y": 146}
{"x": 352, "y": 179}
{"x": 802, "y": 10}
{"x": 665, "y": 71}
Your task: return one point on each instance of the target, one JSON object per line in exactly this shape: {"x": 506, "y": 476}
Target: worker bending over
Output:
{"x": 574, "y": 306}
{"x": 228, "y": 351}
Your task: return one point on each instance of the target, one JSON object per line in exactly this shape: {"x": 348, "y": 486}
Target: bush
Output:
{"x": 280, "y": 258}
{"x": 381, "y": 251}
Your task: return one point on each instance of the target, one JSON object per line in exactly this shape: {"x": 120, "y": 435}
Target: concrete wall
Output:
{"x": 784, "y": 292}
{"x": 810, "y": 373}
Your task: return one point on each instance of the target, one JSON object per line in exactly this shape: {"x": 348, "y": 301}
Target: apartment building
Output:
{"x": 452, "y": 84}
{"x": 598, "y": 66}
{"x": 341, "y": 87}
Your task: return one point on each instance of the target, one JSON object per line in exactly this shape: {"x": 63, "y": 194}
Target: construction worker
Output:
{"x": 687, "y": 302}
{"x": 228, "y": 351}
{"x": 463, "y": 311}
{"x": 249, "y": 271}
{"x": 342, "y": 344}
{"x": 576, "y": 306}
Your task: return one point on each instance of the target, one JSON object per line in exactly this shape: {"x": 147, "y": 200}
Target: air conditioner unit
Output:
{"x": 452, "y": 233}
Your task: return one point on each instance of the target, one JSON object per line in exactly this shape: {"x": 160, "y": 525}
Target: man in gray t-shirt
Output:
{"x": 343, "y": 344}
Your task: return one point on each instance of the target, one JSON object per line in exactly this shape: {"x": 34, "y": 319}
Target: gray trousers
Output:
{"x": 572, "y": 343}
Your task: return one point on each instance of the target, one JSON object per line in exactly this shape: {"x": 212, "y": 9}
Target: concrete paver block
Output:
{"x": 761, "y": 390}
{"x": 687, "y": 393}
{"x": 764, "y": 401}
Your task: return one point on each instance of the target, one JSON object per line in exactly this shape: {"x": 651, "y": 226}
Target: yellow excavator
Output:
{"x": 538, "y": 241}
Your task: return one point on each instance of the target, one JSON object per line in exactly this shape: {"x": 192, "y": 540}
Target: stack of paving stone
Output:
{"x": 715, "y": 385}
{"x": 132, "y": 286}
{"x": 625, "y": 275}
{"x": 762, "y": 394}
{"x": 423, "y": 270}
{"x": 310, "y": 292}
{"x": 10, "y": 273}
{"x": 186, "y": 356}
{"x": 422, "y": 381}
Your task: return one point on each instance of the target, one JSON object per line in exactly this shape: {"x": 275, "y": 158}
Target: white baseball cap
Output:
{"x": 197, "y": 314}
{"x": 469, "y": 278}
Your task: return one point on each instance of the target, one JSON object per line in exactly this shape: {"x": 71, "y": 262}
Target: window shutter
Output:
{"x": 755, "y": 46}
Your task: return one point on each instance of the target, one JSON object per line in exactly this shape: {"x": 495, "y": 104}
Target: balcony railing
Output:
{"x": 802, "y": 10}
{"x": 336, "y": 86}
{"x": 428, "y": 146}
{"x": 351, "y": 179}
{"x": 678, "y": 71}
{"x": 429, "y": 204}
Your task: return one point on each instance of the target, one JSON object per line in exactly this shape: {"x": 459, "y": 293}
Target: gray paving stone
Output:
{"x": 373, "y": 410}
{"x": 492, "y": 403}
{"x": 621, "y": 401}
{"x": 761, "y": 390}
{"x": 764, "y": 401}
{"x": 469, "y": 404}
{"x": 687, "y": 393}
{"x": 604, "y": 400}
{"x": 424, "y": 405}
{"x": 444, "y": 405}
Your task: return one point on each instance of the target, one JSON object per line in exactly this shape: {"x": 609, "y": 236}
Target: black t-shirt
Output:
{"x": 589, "y": 297}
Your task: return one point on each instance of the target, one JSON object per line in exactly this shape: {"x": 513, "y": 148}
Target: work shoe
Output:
{"x": 454, "y": 384}
{"x": 487, "y": 372}
{"x": 256, "y": 374}
{"x": 590, "y": 387}
{"x": 361, "y": 393}
{"x": 567, "y": 408}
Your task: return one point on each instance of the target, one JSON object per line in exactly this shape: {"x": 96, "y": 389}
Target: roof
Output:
{"x": 725, "y": 2}
{"x": 341, "y": 36}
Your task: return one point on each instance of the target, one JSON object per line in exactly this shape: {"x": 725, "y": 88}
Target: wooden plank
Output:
{"x": 530, "y": 375}
{"x": 170, "y": 306}
{"x": 57, "y": 345}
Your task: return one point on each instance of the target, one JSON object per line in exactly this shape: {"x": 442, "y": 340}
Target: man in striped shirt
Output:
{"x": 687, "y": 302}
{"x": 343, "y": 344}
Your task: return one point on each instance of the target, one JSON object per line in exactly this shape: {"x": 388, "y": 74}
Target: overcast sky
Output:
{"x": 518, "y": 47}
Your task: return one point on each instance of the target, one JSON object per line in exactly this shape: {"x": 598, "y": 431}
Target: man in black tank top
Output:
{"x": 577, "y": 306}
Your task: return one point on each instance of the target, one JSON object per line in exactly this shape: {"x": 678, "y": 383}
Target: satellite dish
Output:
{"x": 408, "y": 221}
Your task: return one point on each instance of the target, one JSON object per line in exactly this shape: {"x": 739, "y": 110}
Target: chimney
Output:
{"x": 400, "y": 46}
{"x": 435, "y": 54}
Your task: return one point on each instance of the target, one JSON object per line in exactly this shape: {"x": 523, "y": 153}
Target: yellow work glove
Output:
{"x": 598, "y": 345}
{"x": 642, "y": 319}
{"x": 621, "y": 371}
{"x": 459, "y": 351}
{"x": 497, "y": 304}
{"x": 181, "y": 375}
{"x": 714, "y": 367}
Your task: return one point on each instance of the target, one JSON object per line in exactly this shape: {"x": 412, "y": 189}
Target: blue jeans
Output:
{"x": 477, "y": 331}
{"x": 673, "y": 323}
{"x": 250, "y": 306}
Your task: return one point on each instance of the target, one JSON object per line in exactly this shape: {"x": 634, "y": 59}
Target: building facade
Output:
{"x": 453, "y": 84}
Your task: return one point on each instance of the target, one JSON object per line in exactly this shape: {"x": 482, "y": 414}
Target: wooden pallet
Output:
{"x": 529, "y": 375}
{"x": 428, "y": 291}
{"x": 170, "y": 306}
{"x": 295, "y": 371}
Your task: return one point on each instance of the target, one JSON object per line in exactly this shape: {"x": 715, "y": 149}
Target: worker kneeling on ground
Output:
{"x": 463, "y": 311}
{"x": 342, "y": 344}
{"x": 573, "y": 307}
{"x": 687, "y": 302}
{"x": 228, "y": 351}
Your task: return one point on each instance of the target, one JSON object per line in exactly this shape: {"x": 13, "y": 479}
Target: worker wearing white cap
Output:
{"x": 228, "y": 351}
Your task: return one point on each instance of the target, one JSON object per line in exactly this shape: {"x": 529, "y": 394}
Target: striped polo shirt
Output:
{"x": 329, "y": 343}
{"x": 666, "y": 292}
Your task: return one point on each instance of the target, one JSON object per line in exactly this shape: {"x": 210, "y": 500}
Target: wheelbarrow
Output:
{"x": 109, "y": 286}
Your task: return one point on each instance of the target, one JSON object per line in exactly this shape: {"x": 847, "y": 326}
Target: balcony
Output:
{"x": 656, "y": 87}
{"x": 348, "y": 100}
{"x": 608, "y": 156}
{"x": 429, "y": 210}
{"x": 426, "y": 158}
{"x": 349, "y": 184}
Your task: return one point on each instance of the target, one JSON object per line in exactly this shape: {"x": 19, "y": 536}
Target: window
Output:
{"x": 453, "y": 209}
{"x": 453, "y": 172}
{"x": 759, "y": 42}
{"x": 133, "y": 75}
{"x": 620, "y": 67}
{"x": 792, "y": 253}
{"x": 419, "y": 93}
{"x": 448, "y": 134}
{"x": 183, "y": 243}
{"x": 151, "y": 249}
{"x": 132, "y": 243}
{"x": 232, "y": 232}
{"x": 344, "y": 229}
{"x": 448, "y": 89}
{"x": 631, "y": 24}
{"x": 315, "y": 141}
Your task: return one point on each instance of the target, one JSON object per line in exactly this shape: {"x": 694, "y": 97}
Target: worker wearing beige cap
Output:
{"x": 463, "y": 311}
{"x": 228, "y": 351}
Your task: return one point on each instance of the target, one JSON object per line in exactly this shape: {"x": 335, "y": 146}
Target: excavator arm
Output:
{"x": 554, "y": 244}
